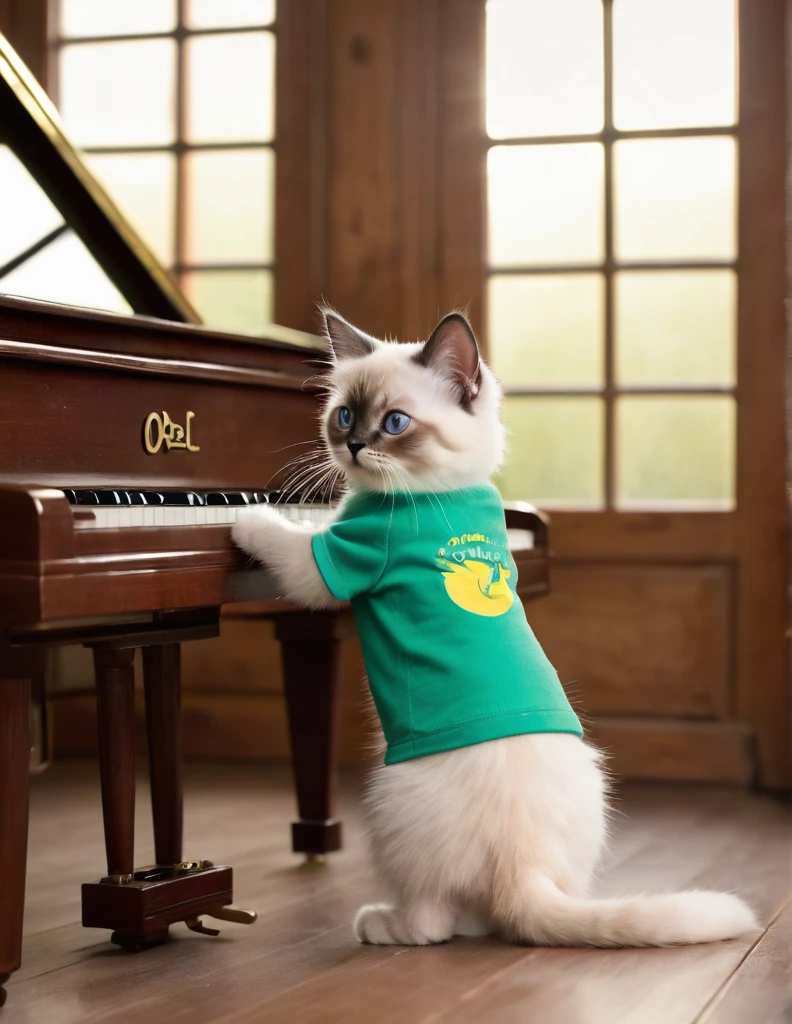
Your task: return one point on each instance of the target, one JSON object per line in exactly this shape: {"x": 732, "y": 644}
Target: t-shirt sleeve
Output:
{"x": 351, "y": 555}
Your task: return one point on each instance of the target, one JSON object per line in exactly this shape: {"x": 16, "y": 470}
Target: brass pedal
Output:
{"x": 234, "y": 914}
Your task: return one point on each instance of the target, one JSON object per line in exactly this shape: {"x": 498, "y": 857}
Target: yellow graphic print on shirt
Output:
{"x": 475, "y": 579}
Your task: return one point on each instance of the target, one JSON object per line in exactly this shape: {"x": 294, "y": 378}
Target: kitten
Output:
{"x": 499, "y": 812}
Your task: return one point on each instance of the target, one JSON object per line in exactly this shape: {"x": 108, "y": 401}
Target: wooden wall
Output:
{"x": 379, "y": 198}
{"x": 25, "y": 24}
{"x": 232, "y": 703}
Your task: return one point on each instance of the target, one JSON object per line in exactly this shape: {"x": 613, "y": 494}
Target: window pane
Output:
{"x": 675, "y": 199}
{"x": 230, "y": 84}
{"x": 65, "y": 272}
{"x": 676, "y": 327}
{"x": 26, "y": 214}
{"x": 143, "y": 186}
{"x": 675, "y": 452}
{"x": 229, "y": 206}
{"x": 221, "y": 13}
{"x": 547, "y": 330}
{"x": 555, "y": 450}
{"x": 545, "y": 204}
{"x": 116, "y": 17}
{"x": 674, "y": 63}
{"x": 118, "y": 93}
{"x": 544, "y": 67}
{"x": 232, "y": 300}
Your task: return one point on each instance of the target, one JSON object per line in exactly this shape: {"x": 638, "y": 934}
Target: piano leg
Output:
{"x": 14, "y": 767}
{"x": 115, "y": 711}
{"x": 162, "y": 681}
{"x": 17, "y": 669}
{"x": 310, "y": 646}
{"x": 115, "y": 714}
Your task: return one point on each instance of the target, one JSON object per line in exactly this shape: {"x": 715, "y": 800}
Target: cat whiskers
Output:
{"x": 307, "y": 476}
{"x": 406, "y": 489}
{"x": 299, "y": 462}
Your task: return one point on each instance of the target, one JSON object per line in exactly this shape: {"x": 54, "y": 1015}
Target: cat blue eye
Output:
{"x": 345, "y": 418}
{"x": 396, "y": 422}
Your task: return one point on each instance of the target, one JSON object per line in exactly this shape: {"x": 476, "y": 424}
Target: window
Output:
{"x": 41, "y": 257}
{"x": 612, "y": 249}
{"x": 172, "y": 102}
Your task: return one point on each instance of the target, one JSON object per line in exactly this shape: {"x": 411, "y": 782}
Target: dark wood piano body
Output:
{"x": 76, "y": 389}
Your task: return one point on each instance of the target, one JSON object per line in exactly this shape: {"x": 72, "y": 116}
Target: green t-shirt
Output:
{"x": 450, "y": 657}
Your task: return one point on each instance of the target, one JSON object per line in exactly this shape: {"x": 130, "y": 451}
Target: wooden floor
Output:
{"x": 299, "y": 963}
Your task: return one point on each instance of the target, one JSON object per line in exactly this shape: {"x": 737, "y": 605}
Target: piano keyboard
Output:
{"x": 117, "y": 509}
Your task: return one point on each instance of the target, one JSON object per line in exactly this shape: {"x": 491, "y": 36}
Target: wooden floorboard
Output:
{"x": 301, "y": 963}
{"x": 761, "y": 989}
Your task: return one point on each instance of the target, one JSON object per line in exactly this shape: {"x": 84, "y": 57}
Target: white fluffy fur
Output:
{"x": 507, "y": 833}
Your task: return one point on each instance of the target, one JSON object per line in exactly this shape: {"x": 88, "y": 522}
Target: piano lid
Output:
{"x": 73, "y": 221}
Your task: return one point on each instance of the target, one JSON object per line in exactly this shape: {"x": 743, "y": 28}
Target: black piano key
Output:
{"x": 260, "y": 498}
{"x": 182, "y": 498}
{"x": 227, "y": 498}
{"x": 108, "y": 498}
{"x": 274, "y": 497}
{"x": 153, "y": 498}
{"x": 86, "y": 497}
{"x": 71, "y": 496}
{"x": 136, "y": 497}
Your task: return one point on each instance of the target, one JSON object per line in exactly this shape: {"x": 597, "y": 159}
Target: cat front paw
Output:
{"x": 373, "y": 925}
{"x": 253, "y": 529}
{"x": 381, "y": 924}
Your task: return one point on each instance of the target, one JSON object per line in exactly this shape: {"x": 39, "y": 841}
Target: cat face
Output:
{"x": 422, "y": 416}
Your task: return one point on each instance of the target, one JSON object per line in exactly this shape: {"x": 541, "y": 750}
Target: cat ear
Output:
{"x": 452, "y": 351}
{"x": 346, "y": 341}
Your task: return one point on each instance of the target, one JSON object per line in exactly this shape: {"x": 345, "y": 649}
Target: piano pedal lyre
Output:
{"x": 140, "y": 904}
{"x": 141, "y": 907}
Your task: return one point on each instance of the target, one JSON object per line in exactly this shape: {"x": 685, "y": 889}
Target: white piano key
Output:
{"x": 144, "y": 516}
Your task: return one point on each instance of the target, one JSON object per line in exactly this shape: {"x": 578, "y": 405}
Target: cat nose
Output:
{"x": 354, "y": 447}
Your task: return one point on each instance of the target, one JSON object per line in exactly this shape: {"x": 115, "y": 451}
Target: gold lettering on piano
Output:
{"x": 160, "y": 429}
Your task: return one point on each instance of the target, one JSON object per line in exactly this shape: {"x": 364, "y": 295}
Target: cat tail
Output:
{"x": 547, "y": 916}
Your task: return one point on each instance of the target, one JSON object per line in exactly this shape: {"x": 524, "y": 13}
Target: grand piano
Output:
{"x": 128, "y": 447}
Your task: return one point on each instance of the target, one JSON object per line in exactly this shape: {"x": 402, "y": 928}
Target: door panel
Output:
{"x": 640, "y": 640}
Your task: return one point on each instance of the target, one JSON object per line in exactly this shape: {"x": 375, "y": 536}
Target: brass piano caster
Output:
{"x": 234, "y": 914}
{"x": 313, "y": 861}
